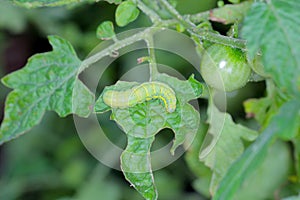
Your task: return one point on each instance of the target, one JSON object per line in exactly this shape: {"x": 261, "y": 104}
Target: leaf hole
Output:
{"x": 162, "y": 139}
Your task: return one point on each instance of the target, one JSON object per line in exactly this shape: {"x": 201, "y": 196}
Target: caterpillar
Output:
{"x": 138, "y": 94}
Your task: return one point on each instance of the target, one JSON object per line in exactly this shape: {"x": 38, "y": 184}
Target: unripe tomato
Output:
{"x": 224, "y": 68}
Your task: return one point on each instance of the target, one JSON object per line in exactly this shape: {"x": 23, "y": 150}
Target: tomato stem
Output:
{"x": 152, "y": 60}
{"x": 201, "y": 33}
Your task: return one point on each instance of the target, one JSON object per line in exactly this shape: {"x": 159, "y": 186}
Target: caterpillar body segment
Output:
{"x": 138, "y": 94}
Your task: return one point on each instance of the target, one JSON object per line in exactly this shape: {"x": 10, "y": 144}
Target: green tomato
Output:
{"x": 224, "y": 68}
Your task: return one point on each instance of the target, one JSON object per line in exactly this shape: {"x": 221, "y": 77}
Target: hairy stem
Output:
{"x": 158, "y": 24}
{"x": 203, "y": 34}
{"x": 155, "y": 18}
{"x": 119, "y": 44}
{"x": 152, "y": 60}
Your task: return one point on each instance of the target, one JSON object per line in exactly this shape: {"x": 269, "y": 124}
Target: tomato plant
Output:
{"x": 155, "y": 108}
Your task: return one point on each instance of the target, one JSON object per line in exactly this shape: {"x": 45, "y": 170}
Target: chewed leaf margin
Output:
{"x": 144, "y": 120}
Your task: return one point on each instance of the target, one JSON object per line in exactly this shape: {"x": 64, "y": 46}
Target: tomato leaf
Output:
{"x": 273, "y": 28}
{"x": 126, "y": 12}
{"x": 264, "y": 176}
{"x": 136, "y": 165}
{"x": 230, "y": 13}
{"x": 290, "y": 126}
{"x": 198, "y": 168}
{"x": 284, "y": 124}
{"x": 105, "y": 30}
{"x": 143, "y": 121}
{"x": 49, "y": 81}
{"x": 264, "y": 108}
{"x": 226, "y": 145}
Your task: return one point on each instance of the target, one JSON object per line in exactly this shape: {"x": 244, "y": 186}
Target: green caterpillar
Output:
{"x": 138, "y": 94}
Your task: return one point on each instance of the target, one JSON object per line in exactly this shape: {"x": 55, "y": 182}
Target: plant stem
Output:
{"x": 186, "y": 20}
{"x": 186, "y": 23}
{"x": 119, "y": 44}
{"x": 199, "y": 17}
{"x": 202, "y": 34}
{"x": 152, "y": 61}
{"x": 215, "y": 15}
{"x": 221, "y": 39}
{"x": 155, "y": 18}
{"x": 227, "y": 14}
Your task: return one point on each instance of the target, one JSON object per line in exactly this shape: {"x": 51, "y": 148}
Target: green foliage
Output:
{"x": 226, "y": 157}
{"x": 269, "y": 176}
{"x": 226, "y": 145}
{"x": 264, "y": 108}
{"x": 284, "y": 125}
{"x": 105, "y": 30}
{"x": 276, "y": 31}
{"x": 48, "y": 82}
{"x": 203, "y": 173}
{"x": 143, "y": 121}
{"x": 225, "y": 14}
{"x": 126, "y": 12}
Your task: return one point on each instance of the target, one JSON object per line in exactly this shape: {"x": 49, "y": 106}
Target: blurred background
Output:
{"x": 50, "y": 161}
